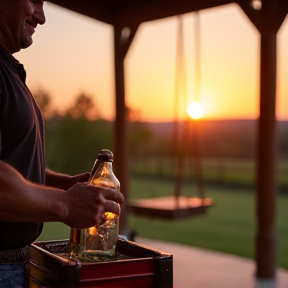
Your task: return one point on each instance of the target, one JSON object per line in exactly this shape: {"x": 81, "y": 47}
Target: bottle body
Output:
{"x": 98, "y": 243}
{"x": 101, "y": 239}
{"x": 75, "y": 246}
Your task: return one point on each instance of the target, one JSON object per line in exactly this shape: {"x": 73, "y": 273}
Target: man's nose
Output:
{"x": 39, "y": 14}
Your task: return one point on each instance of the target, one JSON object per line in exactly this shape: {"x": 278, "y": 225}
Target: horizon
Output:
{"x": 214, "y": 120}
{"x": 171, "y": 121}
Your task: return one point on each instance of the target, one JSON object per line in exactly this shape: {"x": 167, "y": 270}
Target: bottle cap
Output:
{"x": 105, "y": 155}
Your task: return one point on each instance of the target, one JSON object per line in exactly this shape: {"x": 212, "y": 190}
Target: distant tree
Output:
{"x": 83, "y": 107}
{"x": 72, "y": 144}
{"x": 282, "y": 139}
{"x": 140, "y": 139}
{"x": 75, "y": 137}
{"x": 43, "y": 100}
{"x": 133, "y": 115}
{"x": 140, "y": 134}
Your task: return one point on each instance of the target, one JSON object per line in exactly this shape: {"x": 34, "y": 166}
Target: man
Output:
{"x": 30, "y": 194}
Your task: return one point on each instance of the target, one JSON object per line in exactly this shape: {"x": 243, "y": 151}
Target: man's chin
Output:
{"x": 27, "y": 43}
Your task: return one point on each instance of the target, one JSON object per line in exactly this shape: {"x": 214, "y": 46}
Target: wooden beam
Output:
{"x": 98, "y": 10}
{"x": 270, "y": 16}
{"x": 274, "y": 13}
{"x": 143, "y": 11}
{"x": 265, "y": 241}
{"x": 122, "y": 42}
{"x": 266, "y": 161}
{"x": 253, "y": 14}
{"x": 267, "y": 19}
{"x": 128, "y": 13}
{"x": 282, "y": 11}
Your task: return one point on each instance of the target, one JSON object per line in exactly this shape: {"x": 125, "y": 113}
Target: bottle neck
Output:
{"x": 104, "y": 176}
{"x": 95, "y": 167}
{"x": 106, "y": 168}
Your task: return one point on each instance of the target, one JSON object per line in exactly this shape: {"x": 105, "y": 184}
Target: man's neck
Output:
{"x": 2, "y": 43}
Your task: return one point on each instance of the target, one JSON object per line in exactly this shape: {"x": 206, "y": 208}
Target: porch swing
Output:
{"x": 176, "y": 206}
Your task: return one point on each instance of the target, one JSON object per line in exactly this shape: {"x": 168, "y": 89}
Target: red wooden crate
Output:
{"x": 137, "y": 266}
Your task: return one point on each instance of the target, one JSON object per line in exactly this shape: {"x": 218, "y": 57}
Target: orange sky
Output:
{"x": 73, "y": 54}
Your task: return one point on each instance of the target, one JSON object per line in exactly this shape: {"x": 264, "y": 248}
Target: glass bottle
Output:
{"x": 101, "y": 239}
{"x": 98, "y": 243}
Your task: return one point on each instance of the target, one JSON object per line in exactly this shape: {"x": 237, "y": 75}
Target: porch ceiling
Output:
{"x": 133, "y": 12}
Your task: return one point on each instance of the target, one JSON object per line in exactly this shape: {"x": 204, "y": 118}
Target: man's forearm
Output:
{"x": 80, "y": 206}
{"x": 64, "y": 181}
{"x": 24, "y": 201}
{"x": 58, "y": 180}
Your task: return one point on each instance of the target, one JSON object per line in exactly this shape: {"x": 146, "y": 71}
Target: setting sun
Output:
{"x": 195, "y": 110}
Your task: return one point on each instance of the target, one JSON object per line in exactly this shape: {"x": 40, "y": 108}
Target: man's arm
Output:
{"x": 64, "y": 181}
{"x": 81, "y": 206}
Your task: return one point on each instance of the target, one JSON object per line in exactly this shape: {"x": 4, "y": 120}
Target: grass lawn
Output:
{"x": 228, "y": 226}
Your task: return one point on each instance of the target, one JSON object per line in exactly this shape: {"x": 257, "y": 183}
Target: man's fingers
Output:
{"x": 113, "y": 195}
{"x": 111, "y": 206}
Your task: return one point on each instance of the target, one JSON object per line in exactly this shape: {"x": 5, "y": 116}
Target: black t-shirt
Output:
{"x": 21, "y": 142}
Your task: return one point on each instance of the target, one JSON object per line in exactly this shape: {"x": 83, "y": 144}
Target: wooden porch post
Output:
{"x": 121, "y": 140}
{"x": 268, "y": 19}
{"x": 266, "y": 160}
{"x": 273, "y": 14}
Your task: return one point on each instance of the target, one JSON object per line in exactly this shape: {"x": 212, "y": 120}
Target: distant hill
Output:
{"x": 164, "y": 128}
{"x": 235, "y": 137}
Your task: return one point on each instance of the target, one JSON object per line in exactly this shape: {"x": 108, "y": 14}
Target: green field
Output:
{"x": 228, "y": 226}
{"x": 225, "y": 172}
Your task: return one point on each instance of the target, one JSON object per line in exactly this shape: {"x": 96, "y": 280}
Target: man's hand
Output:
{"x": 86, "y": 204}
{"x": 84, "y": 177}
{"x": 64, "y": 181}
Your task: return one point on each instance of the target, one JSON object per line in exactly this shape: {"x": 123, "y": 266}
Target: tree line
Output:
{"x": 75, "y": 136}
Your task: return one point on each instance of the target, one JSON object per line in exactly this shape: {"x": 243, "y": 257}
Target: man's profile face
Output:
{"x": 18, "y": 20}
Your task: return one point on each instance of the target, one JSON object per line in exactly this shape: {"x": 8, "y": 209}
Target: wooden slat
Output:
{"x": 170, "y": 207}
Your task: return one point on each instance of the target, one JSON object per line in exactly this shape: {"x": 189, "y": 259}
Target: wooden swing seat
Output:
{"x": 170, "y": 207}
